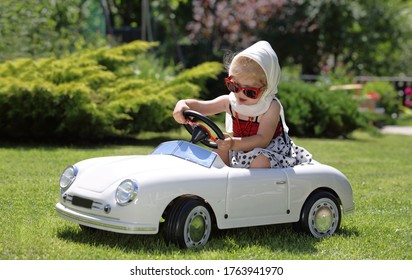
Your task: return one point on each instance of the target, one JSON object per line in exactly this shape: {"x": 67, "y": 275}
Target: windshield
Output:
{"x": 186, "y": 151}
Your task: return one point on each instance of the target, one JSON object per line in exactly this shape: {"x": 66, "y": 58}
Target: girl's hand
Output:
{"x": 226, "y": 144}
{"x": 180, "y": 107}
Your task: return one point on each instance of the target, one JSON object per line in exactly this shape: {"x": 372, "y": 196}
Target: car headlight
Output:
{"x": 68, "y": 176}
{"x": 126, "y": 192}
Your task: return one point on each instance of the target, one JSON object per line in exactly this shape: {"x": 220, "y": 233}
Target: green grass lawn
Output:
{"x": 378, "y": 167}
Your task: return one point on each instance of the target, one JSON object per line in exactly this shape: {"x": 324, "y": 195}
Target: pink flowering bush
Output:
{"x": 408, "y": 95}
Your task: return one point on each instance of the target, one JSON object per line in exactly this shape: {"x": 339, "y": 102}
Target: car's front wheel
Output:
{"x": 321, "y": 215}
{"x": 189, "y": 224}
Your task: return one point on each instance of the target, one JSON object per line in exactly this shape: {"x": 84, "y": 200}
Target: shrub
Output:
{"x": 388, "y": 99}
{"x": 94, "y": 94}
{"x": 314, "y": 111}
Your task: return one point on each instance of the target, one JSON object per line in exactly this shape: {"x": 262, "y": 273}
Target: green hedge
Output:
{"x": 125, "y": 90}
{"x": 315, "y": 111}
{"x": 94, "y": 94}
{"x": 388, "y": 100}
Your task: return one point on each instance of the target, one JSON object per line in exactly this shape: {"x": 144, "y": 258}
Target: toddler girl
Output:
{"x": 254, "y": 115}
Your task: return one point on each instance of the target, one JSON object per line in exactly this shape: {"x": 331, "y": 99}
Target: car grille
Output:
{"x": 83, "y": 202}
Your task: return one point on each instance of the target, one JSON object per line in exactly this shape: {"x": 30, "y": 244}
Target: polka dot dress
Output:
{"x": 280, "y": 153}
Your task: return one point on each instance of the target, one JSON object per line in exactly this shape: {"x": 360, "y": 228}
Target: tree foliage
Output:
{"x": 40, "y": 28}
{"x": 154, "y": 20}
{"x": 373, "y": 36}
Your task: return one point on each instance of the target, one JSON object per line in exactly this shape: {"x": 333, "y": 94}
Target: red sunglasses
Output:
{"x": 250, "y": 92}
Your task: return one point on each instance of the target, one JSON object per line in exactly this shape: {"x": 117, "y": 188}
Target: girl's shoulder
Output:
{"x": 273, "y": 112}
{"x": 274, "y": 106}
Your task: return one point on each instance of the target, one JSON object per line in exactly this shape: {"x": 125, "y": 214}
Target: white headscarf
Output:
{"x": 263, "y": 54}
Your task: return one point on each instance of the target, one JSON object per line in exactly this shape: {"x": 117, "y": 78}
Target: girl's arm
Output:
{"x": 209, "y": 107}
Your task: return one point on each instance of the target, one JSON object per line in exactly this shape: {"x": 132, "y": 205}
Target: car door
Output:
{"x": 256, "y": 196}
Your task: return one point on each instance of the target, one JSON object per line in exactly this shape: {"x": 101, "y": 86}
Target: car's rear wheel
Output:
{"x": 189, "y": 224}
{"x": 321, "y": 215}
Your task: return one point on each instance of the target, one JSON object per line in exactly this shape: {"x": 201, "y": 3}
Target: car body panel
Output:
{"x": 238, "y": 197}
{"x": 255, "y": 196}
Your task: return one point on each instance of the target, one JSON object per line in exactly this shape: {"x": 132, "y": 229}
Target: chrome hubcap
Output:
{"x": 324, "y": 217}
{"x": 197, "y": 227}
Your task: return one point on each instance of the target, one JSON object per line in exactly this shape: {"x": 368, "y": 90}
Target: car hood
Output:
{"x": 98, "y": 174}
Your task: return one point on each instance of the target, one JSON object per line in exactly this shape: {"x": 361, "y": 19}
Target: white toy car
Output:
{"x": 186, "y": 190}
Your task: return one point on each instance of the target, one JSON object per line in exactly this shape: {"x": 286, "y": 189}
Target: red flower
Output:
{"x": 373, "y": 96}
{"x": 408, "y": 91}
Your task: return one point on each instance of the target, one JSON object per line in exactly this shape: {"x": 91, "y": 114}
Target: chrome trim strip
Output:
{"x": 89, "y": 214}
{"x": 100, "y": 224}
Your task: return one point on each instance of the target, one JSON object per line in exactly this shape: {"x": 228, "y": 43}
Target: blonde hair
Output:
{"x": 244, "y": 66}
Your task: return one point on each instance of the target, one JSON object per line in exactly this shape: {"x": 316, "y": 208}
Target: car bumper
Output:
{"x": 104, "y": 223}
{"x": 350, "y": 209}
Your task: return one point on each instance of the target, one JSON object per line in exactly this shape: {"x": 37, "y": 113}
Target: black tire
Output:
{"x": 320, "y": 216}
{"x": 189, "y": 223}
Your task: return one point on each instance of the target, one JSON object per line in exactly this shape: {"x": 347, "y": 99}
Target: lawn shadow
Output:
{"x": 276, "y": 238}
{"x": 127, "y": 243}
{"x": 349, "y": 232}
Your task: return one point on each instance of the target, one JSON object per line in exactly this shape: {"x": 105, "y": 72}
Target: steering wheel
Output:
{"x": 199, "y": 132}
